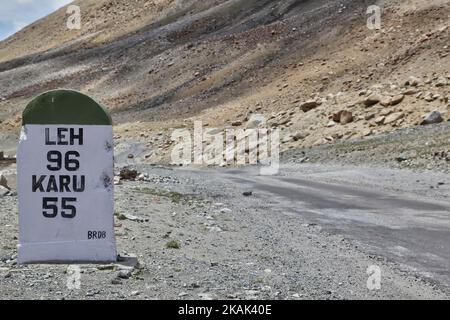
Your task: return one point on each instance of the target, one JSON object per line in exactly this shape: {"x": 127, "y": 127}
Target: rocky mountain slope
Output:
{"x": 313, "y": 68}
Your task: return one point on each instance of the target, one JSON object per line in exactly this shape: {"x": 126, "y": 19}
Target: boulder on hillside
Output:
{"x": 380, "y": 120}
{"x": 441, "y": 82}
{"x": 397, "y": 99}
{"x": 299, "y": 136}
{"x": 346, "y": 117}
{"x": 386, "y": 101}
{"x": 413, "y": 81}
{"x": 342, "y": 117}
{"x": 373, "y": 99}
{"x": 432, "y": 118}
{"x": 336, "y": 117}
{"x": 393, "y": 117}
{"x": 309, "y": 105}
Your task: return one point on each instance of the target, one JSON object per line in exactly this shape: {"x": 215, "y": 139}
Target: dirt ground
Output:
{"x": 196, "y": 236}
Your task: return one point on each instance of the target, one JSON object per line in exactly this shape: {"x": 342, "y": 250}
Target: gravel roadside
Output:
{"x": 195, "y": 237}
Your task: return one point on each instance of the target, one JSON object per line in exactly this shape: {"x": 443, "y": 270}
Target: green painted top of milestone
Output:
{"x": 66, "y": 107}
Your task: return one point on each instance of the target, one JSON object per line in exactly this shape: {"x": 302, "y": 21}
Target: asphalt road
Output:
{"x": 406, "y": 226}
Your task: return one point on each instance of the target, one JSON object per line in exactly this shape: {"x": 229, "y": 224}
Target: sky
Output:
{"x": 16, "y": 14}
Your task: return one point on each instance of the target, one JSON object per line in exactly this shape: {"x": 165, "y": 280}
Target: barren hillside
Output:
{"x": 313, "y": 68}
